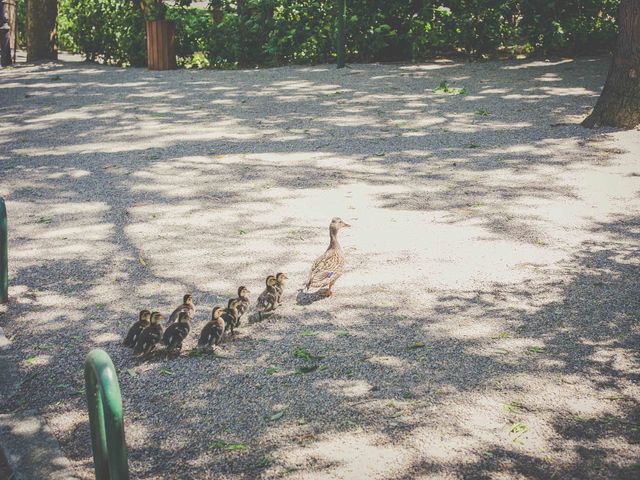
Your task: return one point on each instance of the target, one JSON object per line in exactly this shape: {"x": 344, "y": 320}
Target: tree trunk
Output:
{"x": 41, "y": 30}
{"x": 619, "y": 103}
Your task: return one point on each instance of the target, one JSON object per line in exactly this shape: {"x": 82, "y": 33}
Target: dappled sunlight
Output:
{"x": 481, "y": 325}
{"x": 357, "y": 456}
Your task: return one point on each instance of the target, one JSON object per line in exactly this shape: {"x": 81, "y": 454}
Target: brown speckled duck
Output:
{"x": 330, "y": 265}
{"x": 187, "y": 306}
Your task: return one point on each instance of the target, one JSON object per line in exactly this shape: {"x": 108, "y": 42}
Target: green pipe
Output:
{"x": 342, "y": 13}
{"x": 105, "y": 417}
{"x": 4, "y": 255}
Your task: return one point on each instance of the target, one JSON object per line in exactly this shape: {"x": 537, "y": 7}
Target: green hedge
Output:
{"x": 276, "y": 32}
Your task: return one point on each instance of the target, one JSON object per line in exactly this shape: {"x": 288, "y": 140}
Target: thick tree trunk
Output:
{"x": 41, "y": 30}
{"x": 619, "y": 103}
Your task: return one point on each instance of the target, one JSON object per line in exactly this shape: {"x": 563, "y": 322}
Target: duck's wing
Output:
{"x": 263, "y": 299}
{"x": 325, "y": 269}
{"x": 173, "y": 317}
{"x": 206, "y": 334}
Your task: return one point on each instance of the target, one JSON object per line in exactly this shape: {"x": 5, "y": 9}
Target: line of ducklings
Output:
{"x": 147, "y": 332}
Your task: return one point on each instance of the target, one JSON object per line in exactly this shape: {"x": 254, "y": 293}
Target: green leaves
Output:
{"x": 303, "y": 353}
{"x": 518, "y": 430}
{"x": 223, "y": 445}
{"x": 308, "y": 333}
{"x": 281, "y": 32}
{"x": 277, "y": 416}
{"x": 445, "y": 88}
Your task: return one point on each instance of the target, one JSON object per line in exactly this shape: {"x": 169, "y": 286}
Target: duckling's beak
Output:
{"x": 344, "y": 224}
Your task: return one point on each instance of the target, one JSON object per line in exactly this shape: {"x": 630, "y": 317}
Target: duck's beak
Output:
{"x": 344, "y": 224}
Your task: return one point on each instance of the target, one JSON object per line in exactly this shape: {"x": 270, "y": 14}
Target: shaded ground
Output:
{"x": 487, "y": 326}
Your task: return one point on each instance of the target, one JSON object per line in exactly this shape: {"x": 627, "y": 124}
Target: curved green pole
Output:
{"x": 4, "y": 256}
{"x": 105, "y": 417}
{"x": 342, "y": 12}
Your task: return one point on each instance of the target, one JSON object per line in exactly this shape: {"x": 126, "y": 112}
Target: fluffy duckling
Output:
{"x": 136, "y": 329}
{"x": 268, "y": 299}
{"x": 230, "y": 315}
{"x": 150, "y": 336}
{"x": 243, "y": 303}
{"x": 280, "y": 279}
{"x": 329, "y": 266}
{"x": 187, "y": 306}
{"x": 213, "y": 331}
{"x": 177, "y": 332}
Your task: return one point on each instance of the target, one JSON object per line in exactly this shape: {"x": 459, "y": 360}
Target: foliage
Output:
{"x": 193, "y": 26}
{"x": 109, "y": 30}
{"x": 153, "y": 9}
{"x": 243, "y": 33}
{"x": 21, "y": 20}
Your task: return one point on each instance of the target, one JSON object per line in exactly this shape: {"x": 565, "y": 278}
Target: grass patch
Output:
{"x": 304, "y": 354}
{"x": 518, "y": 429}
{"x": 514, "y": 407}
{"x": 309, "y": 333}
{"x": 229, "y": 446}
{"x": 536, "y": 349}
{"x": 445, "y": 88}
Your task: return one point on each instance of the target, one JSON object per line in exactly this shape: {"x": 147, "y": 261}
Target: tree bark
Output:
{"x": 41, "y": 30}
{"x": 619, "y": 103}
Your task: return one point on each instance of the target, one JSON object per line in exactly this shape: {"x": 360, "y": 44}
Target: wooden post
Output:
{"x": 161, "y": 45}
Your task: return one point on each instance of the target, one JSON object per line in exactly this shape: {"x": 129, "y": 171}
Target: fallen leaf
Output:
{"x": 277, "y": 416}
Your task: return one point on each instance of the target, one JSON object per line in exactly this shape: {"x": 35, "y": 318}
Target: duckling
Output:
{"x": 268, "y": 299}
{"x": 187, "y": 306}
{"x": 280, "y": 278}
{"x": 213, "y": 331}
{"x": 243, "y": 303}
{"x": 177, "y": 332}
{"x": 136, "y": 328}
{"x": 230, "y": 315}
{"x": 150, "y": 336}
{"x": 330, "y": 265}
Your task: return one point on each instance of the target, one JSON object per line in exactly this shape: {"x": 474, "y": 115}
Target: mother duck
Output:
{"x": 330, "y": 265}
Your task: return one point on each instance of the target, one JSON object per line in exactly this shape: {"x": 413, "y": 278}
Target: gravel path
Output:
{"x": 487, "y": 326}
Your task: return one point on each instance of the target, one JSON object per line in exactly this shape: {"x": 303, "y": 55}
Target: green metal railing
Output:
{"x": 342, "y": 13}
{"x": 4, "y": 256}
{"x": 105, "y": 417}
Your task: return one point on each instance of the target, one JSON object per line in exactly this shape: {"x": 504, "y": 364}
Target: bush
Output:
{"x": 275, "y": 32}
{"x": 193, "y": 27}
{"x": 112, "y": 31}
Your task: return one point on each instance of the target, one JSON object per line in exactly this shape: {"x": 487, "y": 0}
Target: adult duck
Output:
{"x": 330, "y": 265}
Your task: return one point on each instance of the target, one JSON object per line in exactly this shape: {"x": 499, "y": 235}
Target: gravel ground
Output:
{"x": 487, "y": 326}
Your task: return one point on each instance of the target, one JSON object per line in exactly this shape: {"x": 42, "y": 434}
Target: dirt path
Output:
{"x": 487, "y": 326}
